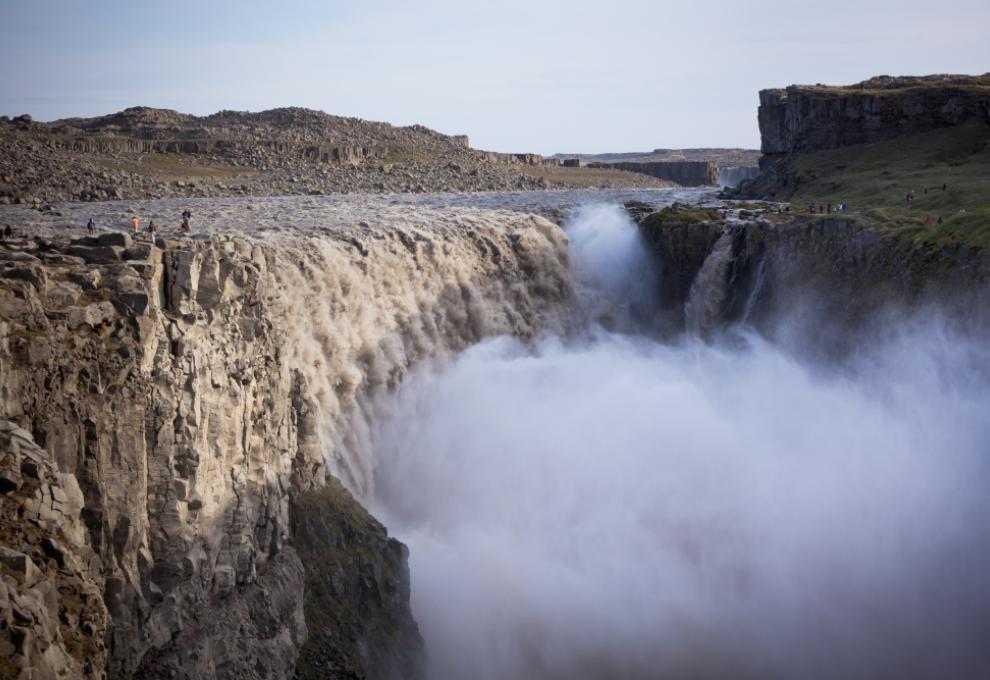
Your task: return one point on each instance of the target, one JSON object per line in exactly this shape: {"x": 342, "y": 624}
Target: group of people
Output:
{"x": 136, "y": 224}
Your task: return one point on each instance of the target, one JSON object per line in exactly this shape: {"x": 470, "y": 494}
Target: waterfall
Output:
{"x": 362, "y": 306}
{"x": 732, "y": 176}
{"x": 703, "y": 310}
{"x": 608, "y": 505}
{"x": 755, "y": 290}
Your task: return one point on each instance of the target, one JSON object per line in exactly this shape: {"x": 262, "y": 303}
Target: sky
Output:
{"x": 515, "y": 75}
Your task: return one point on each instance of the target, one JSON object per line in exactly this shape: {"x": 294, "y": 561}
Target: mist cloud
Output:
{"x": 612, "y": 506}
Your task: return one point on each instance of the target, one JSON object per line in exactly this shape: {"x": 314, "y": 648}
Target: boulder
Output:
{"x": 97, "y": 254}
{"x": 19, "y": 565}
{"x": 115, "y": 238}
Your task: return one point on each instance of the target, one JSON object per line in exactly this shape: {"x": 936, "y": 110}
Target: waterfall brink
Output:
{"x": 364, "y": 305}
{"x": 703, "y": 310}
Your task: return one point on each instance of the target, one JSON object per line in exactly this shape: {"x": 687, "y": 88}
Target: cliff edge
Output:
{"x": 175, "y": 417}
{"x": 801, "y": 121}
{"x": 809, "y": 118}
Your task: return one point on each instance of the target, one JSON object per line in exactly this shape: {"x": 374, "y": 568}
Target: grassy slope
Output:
{"x": 873, "y": 178}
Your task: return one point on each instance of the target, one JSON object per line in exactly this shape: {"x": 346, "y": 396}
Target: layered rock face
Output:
{"x": 725, "y": 266}
{"x": 802, "y": 119}
{"x": 187, "y": 400}
{"x": 685, "y": 173}
{"x": 52, "y": 615}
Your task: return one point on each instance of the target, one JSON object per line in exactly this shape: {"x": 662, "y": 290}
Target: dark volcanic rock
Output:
{"x": 357, "y": 592}
{"x": 801, "y": 119}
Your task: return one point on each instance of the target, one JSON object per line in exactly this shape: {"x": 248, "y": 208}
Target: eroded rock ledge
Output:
{"x": 169, "y": 417}
{"x": 821, "y": 278}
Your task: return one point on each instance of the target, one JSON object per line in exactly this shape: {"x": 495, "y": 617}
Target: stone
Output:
{"x": 138, "y": 251}
{"x": 19, "y": 565}
{"x": 34, "y": 275}
{"x": 10, "y": 479}
{"x": 174, "y": 393}
{"x": 115, "y": 238}
{"x": 97, "y": 254}
{"x": 87, "y": 279}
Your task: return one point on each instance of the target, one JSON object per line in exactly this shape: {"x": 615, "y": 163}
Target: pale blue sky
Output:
{"x": 515, "y": 75}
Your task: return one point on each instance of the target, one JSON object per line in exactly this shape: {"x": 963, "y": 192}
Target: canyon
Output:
{"x": 191, "y": 398}
{"x": 496, "y": 434}
{"x": 192, "y": 427}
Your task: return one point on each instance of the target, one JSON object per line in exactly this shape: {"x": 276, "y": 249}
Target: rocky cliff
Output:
{"x": 169, "y": 416}
{"x": 143, "y": 152}
{"x": 685, "y": 173}
{"x": 802, "y": 119}
{"x": 720, "y": 266}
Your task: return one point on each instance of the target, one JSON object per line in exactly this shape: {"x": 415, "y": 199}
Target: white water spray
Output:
{"x": 619, "y": 508}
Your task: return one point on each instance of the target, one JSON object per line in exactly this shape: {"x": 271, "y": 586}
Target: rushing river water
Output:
{"x": 606, "y": 505}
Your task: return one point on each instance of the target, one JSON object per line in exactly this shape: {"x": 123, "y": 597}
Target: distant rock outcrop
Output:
{"x": 143, "y": 152}
{"x": 758, "y": 267}
{"x": 803, "y": 118}
{"x": 685, "y": 173}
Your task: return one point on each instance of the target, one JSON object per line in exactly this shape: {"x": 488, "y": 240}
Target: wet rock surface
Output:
{"x": 777, "y": 266}
{"x": 187, "y": 395}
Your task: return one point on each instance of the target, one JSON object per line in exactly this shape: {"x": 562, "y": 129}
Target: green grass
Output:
{"x": 681, "y": 215}
{"x": 873, "y": 178}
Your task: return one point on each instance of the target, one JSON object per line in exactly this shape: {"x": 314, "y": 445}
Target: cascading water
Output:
{"x": 755, "y": 291}
{"x": 703, "y": 310}
{"x": 361, "y": 308}
{"x": 609, "y": 506}
{"x": 732, "y": 176}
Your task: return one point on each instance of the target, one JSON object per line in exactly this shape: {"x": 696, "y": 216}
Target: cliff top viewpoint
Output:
{"x": 890, "y": 85}
{"x": 809, "y": 118}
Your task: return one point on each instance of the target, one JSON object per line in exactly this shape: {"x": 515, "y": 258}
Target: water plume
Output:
{"x": 609, "y": 506}
{"x": 361, "y": 306}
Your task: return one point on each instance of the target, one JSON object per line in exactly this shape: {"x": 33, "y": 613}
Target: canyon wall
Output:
{"x": 171, "y": 414}
{"x": 685, "y": 173}
{"x": 719, "y": 267}
{"x": 803, "y": 119}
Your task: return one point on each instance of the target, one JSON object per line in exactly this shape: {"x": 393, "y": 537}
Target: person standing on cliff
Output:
{"x": 135, "y": 222}
{"x": 91, "y": 226}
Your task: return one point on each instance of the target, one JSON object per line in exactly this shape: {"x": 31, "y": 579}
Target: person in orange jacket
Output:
{"x": 134, "y": 224}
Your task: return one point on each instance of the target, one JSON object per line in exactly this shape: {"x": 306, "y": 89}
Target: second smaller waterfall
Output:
{"x": 703, "y": 309}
